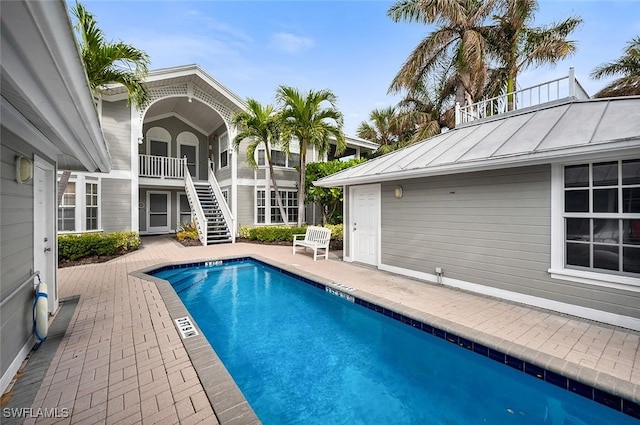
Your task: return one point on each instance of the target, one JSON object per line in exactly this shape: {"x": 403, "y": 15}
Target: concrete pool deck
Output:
{"x": 123, "y": 361}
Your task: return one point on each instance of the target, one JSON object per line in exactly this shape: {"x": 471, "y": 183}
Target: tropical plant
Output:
{"x": 314, "y": 120}
{"x": 516, "y": 46}
{"x": 110, "y": 62}
{"x": 107, "y": 62}
{"x": 628, "y": 66}
{"x": 260, "y": 124}
{"x": 457, "y": 48}
{"x": 422, "y": 112}
{"x": 328, "y": 198}
{"x": 382, "y": 128}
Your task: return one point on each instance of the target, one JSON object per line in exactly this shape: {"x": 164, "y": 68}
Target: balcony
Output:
{"x": 560, "y": 88}
{"x": 161, "y": 170}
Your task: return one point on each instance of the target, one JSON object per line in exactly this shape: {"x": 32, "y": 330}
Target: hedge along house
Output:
{"x": 174, "y": 161}
{"x": 48, "y": 121}
{"x": 540, "y": 205}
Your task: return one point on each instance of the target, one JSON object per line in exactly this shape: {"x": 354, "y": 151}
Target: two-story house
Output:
{"x": 174, "y": 161}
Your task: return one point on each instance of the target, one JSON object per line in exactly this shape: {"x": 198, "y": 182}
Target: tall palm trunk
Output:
{"x": 274, "y": 183}
{"x": 301, "y": 182}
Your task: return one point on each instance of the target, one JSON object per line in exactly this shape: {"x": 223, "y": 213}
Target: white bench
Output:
{"x": 315, "y": 238}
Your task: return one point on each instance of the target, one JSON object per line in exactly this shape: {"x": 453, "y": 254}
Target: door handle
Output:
{"x": 47, "y": 249}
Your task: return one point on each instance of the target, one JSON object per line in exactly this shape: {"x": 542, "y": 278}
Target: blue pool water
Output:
{"x": 303, "y": 356}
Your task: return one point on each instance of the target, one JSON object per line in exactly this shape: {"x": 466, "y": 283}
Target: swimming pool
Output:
{"x": 303, "y": 355}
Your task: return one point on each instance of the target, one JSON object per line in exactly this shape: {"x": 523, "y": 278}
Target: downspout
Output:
{"x": 136, "y": 135}
{"x": 234, "y": 181}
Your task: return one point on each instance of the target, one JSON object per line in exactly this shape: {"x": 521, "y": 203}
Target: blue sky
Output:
{"x": 349, "y": 47}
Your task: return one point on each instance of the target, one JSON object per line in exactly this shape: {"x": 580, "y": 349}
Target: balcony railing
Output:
{"x": 550, "y": 91}
{"x": 161, "y": 167}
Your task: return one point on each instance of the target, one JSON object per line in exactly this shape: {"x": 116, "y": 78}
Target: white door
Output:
{"x": 364, "y": 223}
{"x": 44, "y": 236}
{"x": 158, "y": 212}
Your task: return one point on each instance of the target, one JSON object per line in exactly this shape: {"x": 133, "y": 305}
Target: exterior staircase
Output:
{"x": 217, "y": 230}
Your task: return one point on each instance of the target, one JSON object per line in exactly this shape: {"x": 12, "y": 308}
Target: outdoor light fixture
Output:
{"x": 140, "y": 140}
{"x": 24, "y": 169}
{"x": 398, "y": 192}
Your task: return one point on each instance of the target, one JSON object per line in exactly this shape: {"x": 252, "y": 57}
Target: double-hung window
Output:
{"x": 223, "y": 145}
{"x": 67, "y": 209}
{"x": 289, "y": 203}
{"x": 91, "y": 195}
{"x": 601, "y": 217}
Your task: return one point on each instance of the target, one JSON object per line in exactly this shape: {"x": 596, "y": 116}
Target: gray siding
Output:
{"x": 175, "y": 126}
{"x": 491, "y": 228}
{"x": 116, "y": 126}
{"x": 16, "y": 248}
{"x": 116, "y": 204}
{"x": 246, "y": 205}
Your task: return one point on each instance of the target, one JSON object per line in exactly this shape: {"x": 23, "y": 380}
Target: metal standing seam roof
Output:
{"x": 544, "y": 135}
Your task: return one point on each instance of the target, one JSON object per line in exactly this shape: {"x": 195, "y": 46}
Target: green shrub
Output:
{"x": 336, "y": 231}
{"x": 74, "y": 247}
{"x": 243, "y": 231}
{"x": 274, "y": 233}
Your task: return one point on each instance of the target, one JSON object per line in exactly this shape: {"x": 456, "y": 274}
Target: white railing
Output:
{"x": 161, "y": 167}
{"x": 560, "y": 88}
{"x": 222, "y": 203}
{"x": 192, "y": 196}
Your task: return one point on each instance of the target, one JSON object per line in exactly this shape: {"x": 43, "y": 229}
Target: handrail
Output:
{"x": 530, "y": 96}
{"x": 192, "y": 196}
{"x": 19, "y": 288}
{"x": 222, "y": 203}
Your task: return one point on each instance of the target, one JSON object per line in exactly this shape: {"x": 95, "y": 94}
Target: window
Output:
{"x": 67, "y": 209}
{"x": 91, "y": 206}
{"x": 223, "y": 144}
{"x": 278, "y": 158}
{"x": 225, "y": 195}
{"x": 289, "y": 203}
{"x": 602, "y": 217}
{"x": 184, "y": 213}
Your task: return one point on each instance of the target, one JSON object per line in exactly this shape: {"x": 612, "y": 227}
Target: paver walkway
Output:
{"x": 123, "y": 362}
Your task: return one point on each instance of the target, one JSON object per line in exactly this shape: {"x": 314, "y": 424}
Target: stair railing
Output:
{"x": 194, "y": 202}
{"x": 222, "y": 203}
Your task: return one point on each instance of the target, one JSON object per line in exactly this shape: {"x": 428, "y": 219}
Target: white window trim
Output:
{"x": 267, "y": 205}
{"x": 99, "y": 196}
{"x": 558, "y": 269}
{"x": 220, "y": 150}
{"x": 179, "y": 212}
{"x": 81, "y": 205}
{"x": 288, "y": 166}
{"x": 187, "y": 138}
{"x": 158, "y": 134}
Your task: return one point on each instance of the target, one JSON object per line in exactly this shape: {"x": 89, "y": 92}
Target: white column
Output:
{"x": 136, "y": 133}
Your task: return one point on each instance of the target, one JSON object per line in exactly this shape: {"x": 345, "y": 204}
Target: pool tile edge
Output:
{"x": 227, "y": 401}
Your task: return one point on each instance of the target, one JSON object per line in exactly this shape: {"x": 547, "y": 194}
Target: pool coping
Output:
{"x": 597, "y": 386}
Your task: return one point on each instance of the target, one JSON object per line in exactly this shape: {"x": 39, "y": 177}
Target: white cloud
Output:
{"x": 290, "y": 43}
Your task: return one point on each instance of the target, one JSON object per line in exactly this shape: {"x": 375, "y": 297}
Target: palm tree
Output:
{"x": 382, "y": 128}
{"x": 628, "y": 66}
{"x": 109, "y": 62}
{"x": 458, "y": 44}
{"x": 518, "y": 46}
{"x": 260, "y": 124}
{"x": 314, "y": 120}
{"x": 422, "y": 111}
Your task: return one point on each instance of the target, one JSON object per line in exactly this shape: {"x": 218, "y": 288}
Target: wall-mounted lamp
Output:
{"x": 190, "y": 100}
{"x": 24, "y": 169}
{"x": 398, "y": 192}
{"x": 140, "y": 140}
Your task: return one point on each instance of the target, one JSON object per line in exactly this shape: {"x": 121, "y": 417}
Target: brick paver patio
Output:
{"x": 122, "y": 360}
